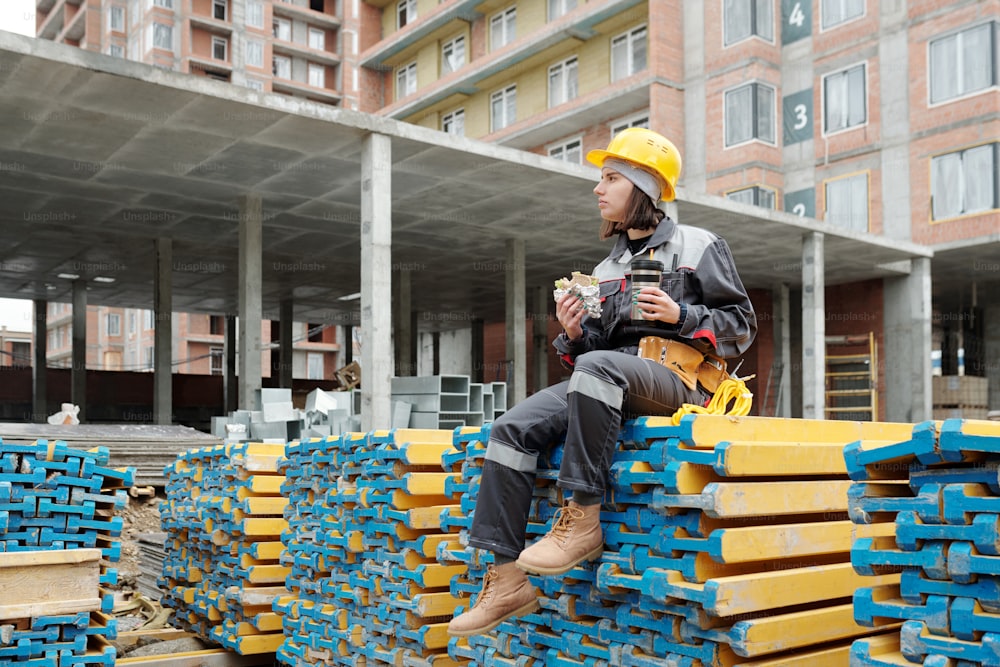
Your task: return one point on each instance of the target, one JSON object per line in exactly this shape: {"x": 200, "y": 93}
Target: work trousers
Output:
{"x": 588, "y": 409}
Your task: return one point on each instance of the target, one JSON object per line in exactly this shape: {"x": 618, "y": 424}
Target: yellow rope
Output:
{"x": 731, "y": 389}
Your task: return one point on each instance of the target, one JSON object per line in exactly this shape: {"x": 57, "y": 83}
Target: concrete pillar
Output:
{"x": 376, "y": 281}
{"x": 907, "y": 344}
{"x": 250, "y": 308}
{"x": 782, "y": 398}
{"x": 540, "y": 336}
{"x": 78, "y": 374}
{"x": 516, "y": 331}
{"x": 813, "y": 327}
{"x": 693, "y": 146}
{"x": 229, "y": 389}
{"x": 163, "y": 371}
{"x": 39, "y": 376}
{"x": 991, "y": 352}
{"x": 285, "y": 351}
{"x": 402, "y": 326}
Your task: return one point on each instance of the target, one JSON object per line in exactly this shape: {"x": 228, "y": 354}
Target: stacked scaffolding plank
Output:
{"x": 224, "y": 518}
{"x": 939, "y": 491}
{"x": 368, "y": 588}
{"x": 727, "y": 542}
{"x": 58, "y": 542}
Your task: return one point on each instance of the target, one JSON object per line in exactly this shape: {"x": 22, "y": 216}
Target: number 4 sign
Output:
{"x": 796, "y": 20}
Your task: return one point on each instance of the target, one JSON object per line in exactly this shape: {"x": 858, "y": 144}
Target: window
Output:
{"x": 117, "y": 50}
{"x": 147, "y": 319}
{"x": 406, "y": 12}
{"x": 746, "y": 18}
{"x": 454, "y": 122}
{"x": 163, "y": 36}
{"x": 20, "y": 354}
{"x": 559, "y": 7}
{"x": 562, "y": 82}
{"x": 166, "y": 4}
{"x": 255, "y": 53}
{"x": 317, "y": 5}
{"x": 406, "y": 80}
{"x": 254, "y": 84}
{"x": 452, "y": 55}
{"x": 749, "y": 114}
{"x": 282, "y": 29}
{"x": 255, "y": 13}
{"x": 113, "y": 324}
{"x": 281, "y": 67}
{"x": 755, "y": 195}
{"x": 965, "y": 181}
{"x": 219, "y": 10}
{"x": 503, "y": 108}
{"x": 847, "y": 202}
{"x": 964, "y": 62}
{"x": 216, "y": 325}
{"x": 314, "y": 365}
{"x": 220, "y": 46}
{"x": 317, "y": 39}
{"x": 215, "y": 359}
{"x": 569, "y": 151}
{"x": 147, "y": 358}
{"x": 317, "y": 76}
{"x": 628, "y": 53}
{"x": 836, "y": 12}
{"x": 625, "y": 123}
{"x": 844, "y": 99}
{"x": 503, "y": 26}
{"x": 131, "y": 322}
{"x": 117, "y": 18}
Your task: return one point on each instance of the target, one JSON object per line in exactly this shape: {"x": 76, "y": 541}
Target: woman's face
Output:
{"x": 613, "y": 192}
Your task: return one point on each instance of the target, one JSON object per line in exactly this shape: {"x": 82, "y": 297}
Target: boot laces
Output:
{"x": 489, "y": 583}
{"x": 566, "y": 518}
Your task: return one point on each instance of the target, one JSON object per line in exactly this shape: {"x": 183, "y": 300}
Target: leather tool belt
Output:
{"x": 690, "y": 365}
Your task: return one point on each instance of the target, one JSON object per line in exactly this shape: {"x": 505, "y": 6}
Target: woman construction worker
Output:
{"x": 696, "y": 318}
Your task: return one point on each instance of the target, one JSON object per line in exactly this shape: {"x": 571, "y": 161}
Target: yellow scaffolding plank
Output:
{"x": 253, "y": 527}
{"x": 427, "y": 518}
{"x": 767, "y": 459}
{"x": 265, "y": 505}
{"x": 737, "y": 545}
{"x": 261, "y": 485}
{"x": 423, "y": 436}
{"x": 428, "y": 483}
{"x": 834, "y": 656}
{"x": 437, "y": 604}
{"x": 738, "y": 499}
{"x": 259, "y": 644}
{"x": 425, "y": 453}
{"x": 709, "y": 430}
{"x": 799, "y": 629}
{"x": 268, "y": 574}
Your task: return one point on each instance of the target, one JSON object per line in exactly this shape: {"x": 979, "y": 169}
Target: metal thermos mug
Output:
{"x": 645, "y": 273}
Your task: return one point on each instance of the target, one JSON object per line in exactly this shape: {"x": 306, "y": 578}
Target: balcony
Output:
{"x": 578, "y": 24}
{"x": 445, "y": 13}
{"x": 220, "y": 68}
{"x": 282, "y": 8}
{"x": 211, "y": 24}
{"x": 76, "y": 28}
{"x": 44, "y": 6}
{"x": 297, "y": 50}
{"x": 53, "y": 23}
{"x": 300, "y": 89}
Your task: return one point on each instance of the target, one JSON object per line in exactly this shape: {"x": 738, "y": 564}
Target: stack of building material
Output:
{"x": 224, "y": 517}
{"x": 449, "y": 401}
{"x": 151, "y": 557}
{"x": 58, "y": 540}
{"x": 939, "y": 490}
{"x": 727, "y": 542}
{"x": 278, "y": 421}
{"x": 960, "y": 397}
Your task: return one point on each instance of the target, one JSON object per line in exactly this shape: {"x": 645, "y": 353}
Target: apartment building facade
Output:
{"x": 301, "y": 48}
{"x": 122, "y": 339}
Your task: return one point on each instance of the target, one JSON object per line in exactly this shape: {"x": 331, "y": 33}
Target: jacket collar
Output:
{"x": 663, "y": 233}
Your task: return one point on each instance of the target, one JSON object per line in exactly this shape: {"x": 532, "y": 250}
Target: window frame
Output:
{"x": 995, "y": 39}
{"x": 116, "y": 47}
{"x": 866, "y": 174}
{"x": 996, "y": 181}
{"x": 843, "y": 71}
{"x": 753, "y": 25}
{"x": 255, "y": 84}
{"x": 274, "y": 66}
{"x": 824, "y": 28}
{"x": 562, "y": 66}
{"x": 405, "y": 71}
{"x": 311, "y": 359}
{"x": 504, "y": 93}
{"x": 118, "y": 10}
{"x": 757, "y": 189}
{"x": 632, "y": 120}
{"x": 162, "y": 4}
{"x": 216, "y": 360}
{"x": 313, "y": 31}
{"x": 153, "y": 35}
{"x": 629, "y": 36}
{"x": 755, "y": 84}
{"x": 314, "y": 67}
{"x": 563, "y": 146}
{"x": 224, "y": 43}
{"x": 225, "y": 9}
{"x": 458, "y": 39}
{"x": 507, "y": 15}
{"x": 277, "y": 22}
{"x": 118, "y": 324}
{"x": 452, "y": 116}
{"x": 406, "y": 13}
{"x": 258, "y": 5}
{"x": 250, "y": 44}
{"x": 550, "y": 16}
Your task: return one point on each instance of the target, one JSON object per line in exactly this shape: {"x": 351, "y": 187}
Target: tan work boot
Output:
{"x": 575, "y": 536}
{"x": 506, "y": 593}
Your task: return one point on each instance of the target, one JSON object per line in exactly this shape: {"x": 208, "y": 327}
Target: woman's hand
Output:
{"x": 570, "y": 312}
{"x": 657, "y": 305}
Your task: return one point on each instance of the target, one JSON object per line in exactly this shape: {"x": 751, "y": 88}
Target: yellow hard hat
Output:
{"x": 647, "y": 149}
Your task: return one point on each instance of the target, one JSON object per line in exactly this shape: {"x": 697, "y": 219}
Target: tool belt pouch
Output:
{"x": 712, "y": 373}
{"x": 682, "y": 359}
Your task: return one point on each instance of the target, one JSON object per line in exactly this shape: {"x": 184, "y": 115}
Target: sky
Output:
{"x": 17, "y": 16}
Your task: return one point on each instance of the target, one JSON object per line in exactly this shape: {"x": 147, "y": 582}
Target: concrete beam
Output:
{"x": 78, "y": 374}
{"x": 250, "y": 308}
{"x": 163, "y": 373}
{"x": 285, "y": 351}
{"x": 39, "y": 369}
{"x": 907, "y": 342}
{"x": 813, "y": 328}
{"x": 376, "y": 281}
{"x": 516, "y": 330}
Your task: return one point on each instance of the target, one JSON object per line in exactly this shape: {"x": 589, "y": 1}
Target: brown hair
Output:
{"x": 640, "y": 213}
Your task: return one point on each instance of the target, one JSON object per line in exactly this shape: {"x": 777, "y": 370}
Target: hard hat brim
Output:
{"x": 597, "y": 158}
